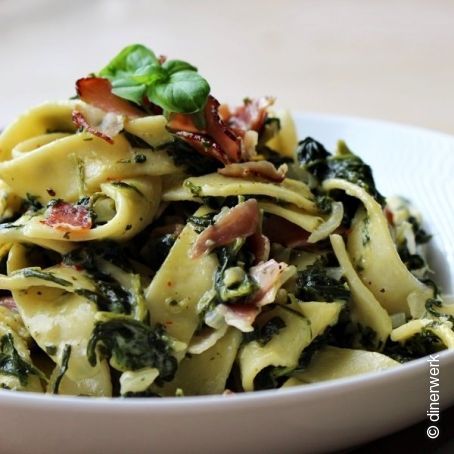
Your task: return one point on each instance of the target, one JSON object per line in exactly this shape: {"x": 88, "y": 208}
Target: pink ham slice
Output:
{"x": 259, "y": 245}
{"x": 97, "y": 91}
{"x": 204, "y": 145}
{"x": 241, "y": 316}
{"x": 224, "y": 136}
{"x": 240, "y": 221}
{"x": 80, "y": 121}
{"x": 183, "y": 122}
{"x": 255, "y": 169}
{"x": 222, "y": 142}
{"x": 266, "y": 275}
{"x": 69, "y": 218}
{"x": 8, "y": 302}
{"x": 250, "y": 116}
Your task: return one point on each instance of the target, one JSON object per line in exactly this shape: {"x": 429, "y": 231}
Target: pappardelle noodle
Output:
{"x": 154, "y": 242}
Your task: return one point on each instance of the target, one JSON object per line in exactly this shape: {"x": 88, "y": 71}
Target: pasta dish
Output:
{"x": 154, "y": 242}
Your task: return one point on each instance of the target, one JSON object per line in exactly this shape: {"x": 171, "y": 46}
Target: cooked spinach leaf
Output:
{"x": 32, "y": 202}
{"x": 324, "y": 203}
{"x": 271, "y": 127}
{"x": 11, "y": 363}
{"x": 346, "y": 165}
{"x": 229, "y": 291}
{"x": 85, "y": 258}
{"x": 63, "y": 368}
{"x": 307, "y": 354}
{"x": 273, "y": 156}
{"x": 411, "y": 261}
{"x": 132, "y": 345}
{"x": 45, "y": 276}
{"x": 314, "y": 284}
{"x": 367, "y": 338}
{"x": 419, "y": 345}
{"x": 109, "y": 297}
{"x": 421, "y": 236}
{"x": 190, "y": 159}
{"x": 135, "y": 141}
{"x": 156, "y": 250}
{"x": 314, "y": 157}
{"x": 200, "y": 223}
{"x": 263, "y": 334}
{"x": 270, "y": 378}
{"x": 432, "y": 304}
{"x": 146, "y": 393}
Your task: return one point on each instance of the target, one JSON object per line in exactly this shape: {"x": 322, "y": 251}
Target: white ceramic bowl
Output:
{"x": 312, "y": 418}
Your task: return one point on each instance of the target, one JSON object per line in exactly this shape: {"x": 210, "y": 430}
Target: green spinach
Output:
{"x": 419, "y": 345}
{"x": 132, "y": 345}
{"x": 263, "y": 334}
{"x": 230, "y": 256}
{"x": 11, "y": 363}
{"x": 183, "y": 155}
{"x": 314, "y": 284}
{"x": 63, "y": 368}
{"x": 314, "y": 158}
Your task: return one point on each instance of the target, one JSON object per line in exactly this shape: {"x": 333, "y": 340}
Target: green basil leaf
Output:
{"x": 174, "y": 66}
{"x": 149, "y": 74}
{"x": 129, "y": 60}
{"x": 174, "y": 85}
{"x": 133, "y": 87}
{"x": 184, "y": 92}
{"x": 128, "y": 89}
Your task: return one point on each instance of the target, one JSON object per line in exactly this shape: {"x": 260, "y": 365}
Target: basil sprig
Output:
{"x": 175, "y": 85}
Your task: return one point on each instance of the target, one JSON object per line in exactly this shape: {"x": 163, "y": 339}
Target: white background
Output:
{"x": 389, "y": 59}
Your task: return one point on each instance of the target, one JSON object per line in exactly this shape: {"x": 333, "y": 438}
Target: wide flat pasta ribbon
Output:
{"x": 216, "y": 185}
{"x": 374, "y": 254}
{"x": 56, "y": 316}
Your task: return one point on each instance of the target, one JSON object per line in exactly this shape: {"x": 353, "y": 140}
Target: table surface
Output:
{"x": 383, "y": 59}
{"x": 414, "y": 439}
{"x": 380, "y": 59}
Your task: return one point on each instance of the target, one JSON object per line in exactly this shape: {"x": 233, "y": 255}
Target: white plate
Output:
{"x": 319, "y": 417}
